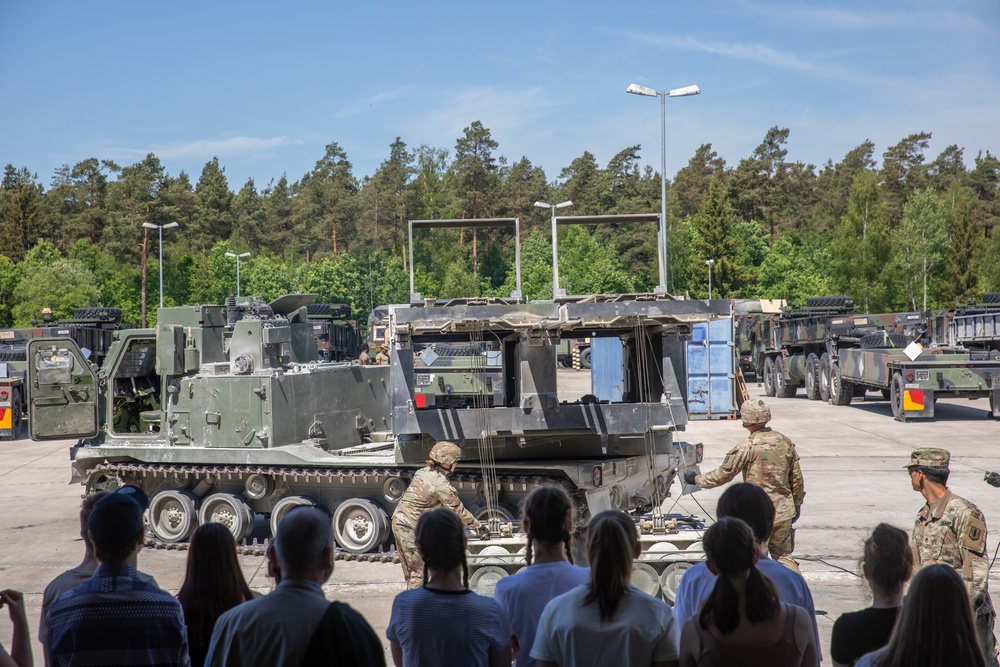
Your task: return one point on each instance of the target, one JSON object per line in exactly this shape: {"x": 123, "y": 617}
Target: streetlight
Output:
{"x": 709, "y": 263}
{"x": 636, "y": 89}
{"x": 238, "y": 258}
{"x": 556, "y": 292}
{"x": 169, "y": 225}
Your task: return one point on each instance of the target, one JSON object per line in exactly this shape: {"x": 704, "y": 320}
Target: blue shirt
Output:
{"x": 524, "y": 596}
{"x": 117, "y": 618}
{"x": 437, "y": 628}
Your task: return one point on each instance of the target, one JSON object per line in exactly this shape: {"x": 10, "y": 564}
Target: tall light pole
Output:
{"x": 238, "y": 258}
{"x": 169, "y": 225}
{"x": 636, "y": 89}
{"x": 709, "y": 263}
{"x": 556, "y": 292}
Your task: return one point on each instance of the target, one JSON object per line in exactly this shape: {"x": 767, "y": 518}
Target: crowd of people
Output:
{"x": 747, "y": 604}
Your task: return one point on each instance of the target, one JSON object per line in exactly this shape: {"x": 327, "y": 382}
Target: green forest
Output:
{"x": 907, "y": 232}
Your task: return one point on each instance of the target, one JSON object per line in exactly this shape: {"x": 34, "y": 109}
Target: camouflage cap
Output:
{"x": 446, "y": 453}
{"x": 755, "y": 412}
{"x": 930, "y": 457}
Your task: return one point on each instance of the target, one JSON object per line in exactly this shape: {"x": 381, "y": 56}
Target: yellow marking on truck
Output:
{"x": 913, "y": 399}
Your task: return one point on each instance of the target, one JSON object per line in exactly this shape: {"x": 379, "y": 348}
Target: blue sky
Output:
{"x": 264, "y": 86}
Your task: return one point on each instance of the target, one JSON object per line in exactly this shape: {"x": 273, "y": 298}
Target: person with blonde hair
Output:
{"x": 886, "y": 565}
{"x": 935, "y": 627}
{"x": 607, "y": 621}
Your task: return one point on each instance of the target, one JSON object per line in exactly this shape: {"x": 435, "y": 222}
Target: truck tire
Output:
{"x": 991, "y": 297}
{"x": 102, "y": 314}
{"x": 824, "y": 377}
{"x": 812, "y": 377}
{"x": 883, "y": 339}
{"x": 782, "y": 387}
{"x": 841, "y": 391}
{"x": 830, "y": 302}
{"x": 896, "y": 399}
{"x": 768, "y": 374}
{"x": 585, "y": 357}
{"x": 14, "y": 353}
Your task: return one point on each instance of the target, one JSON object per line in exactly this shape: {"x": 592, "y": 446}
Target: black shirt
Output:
{"x": 860, "y": 632}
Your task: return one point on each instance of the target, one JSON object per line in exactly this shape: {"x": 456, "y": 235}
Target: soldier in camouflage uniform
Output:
{"x": 952, "y": 531}
{"x": 428, "y": 490}
{"x": 769, "y": 460}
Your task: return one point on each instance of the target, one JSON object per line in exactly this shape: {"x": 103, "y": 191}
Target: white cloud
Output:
{"x": 206, "y": 149}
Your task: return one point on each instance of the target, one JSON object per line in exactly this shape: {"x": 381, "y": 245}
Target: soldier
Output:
{"x": 952, "y": 531}
{"x": 769, "y": 460}
{"x": 429, "y": 490}
{"x": 382, "y": 358}
{"x": 363, "y": 358}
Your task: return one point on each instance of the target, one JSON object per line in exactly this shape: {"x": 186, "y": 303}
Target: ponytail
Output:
{"x": 611, "y": 550}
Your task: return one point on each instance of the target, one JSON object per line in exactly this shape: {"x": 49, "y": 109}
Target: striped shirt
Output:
{"x": 436, "y": 627}
{"x": 117, "y": 618}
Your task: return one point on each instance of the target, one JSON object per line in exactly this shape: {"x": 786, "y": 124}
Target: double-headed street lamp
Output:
{"x": 636, "y": 89}
{"x": 238, "y": 258}
{"x": 709, "y": 263}
{"x": 556, "y": 292}
{"x": 169, "y": 225}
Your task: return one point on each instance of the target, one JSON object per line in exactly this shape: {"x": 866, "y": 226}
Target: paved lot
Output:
{"x": 852, "y": 458}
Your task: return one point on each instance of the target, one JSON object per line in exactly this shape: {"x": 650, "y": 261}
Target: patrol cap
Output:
{"x": 930, "y": 457}
{"x": 446, "y": 453}
{"x": 755, "y": 412}
{"x": 116, "y": 520}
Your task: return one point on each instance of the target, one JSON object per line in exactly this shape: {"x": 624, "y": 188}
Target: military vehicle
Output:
{"x": 248, "y": 423}
{"x": 91, "y": 328}
{"x": 336, "y": 333}
{"x": 748, "y": 318}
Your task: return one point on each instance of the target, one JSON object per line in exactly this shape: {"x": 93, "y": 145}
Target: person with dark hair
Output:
{"x": 428, "y": 490}
{"x": 743, "y": 622}
{"x": 81, "y": 573}
{"x": 116, "y": 612}
{"x": 295, "y": 624}
{"x": 548, "y": 523}
{"x": 952, "y": 531}
{"x": 935, "y": 627}
{"x": 20, "y": 645}
{"x": 751, "y": 504}
{"x": 364, "y": 358}
{"x": 607, "y": 621}
{"x": 886, "y": 564}
{"x": 213, "y": 584}
{"x": 769, "y": 460}
{"x": 443, "y": 622}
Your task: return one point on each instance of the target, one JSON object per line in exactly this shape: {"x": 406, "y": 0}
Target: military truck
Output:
{"x": 336, "y": 333}
{"x": 91, "y": 328}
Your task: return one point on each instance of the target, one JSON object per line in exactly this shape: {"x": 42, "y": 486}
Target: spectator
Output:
{"x": 887, "y": 563}
{"x": 742, "y": 622}
{"x": 935, "y": 626}
{"x": 74, "y": 577}
{"x": 443, "y": 622}
{"x": 116, "y": 612}
{"x": 363, "y": 358}
{"x": 20, "y": 645}
{"x": 213, "y": 585}
{"x": 295, "y": 625}
{"x": 607, "y": 621}
{"x": 753, "y": 505}
{"x": 548, "y": 522}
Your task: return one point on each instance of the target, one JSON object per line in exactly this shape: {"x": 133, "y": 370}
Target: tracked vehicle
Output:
{"x": 250, "y": 424}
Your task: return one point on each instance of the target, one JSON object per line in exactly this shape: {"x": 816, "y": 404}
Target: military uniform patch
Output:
{"x": 974, "y": 535}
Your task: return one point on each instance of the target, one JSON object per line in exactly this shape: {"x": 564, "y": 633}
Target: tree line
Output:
{"x": 908, "y": 233}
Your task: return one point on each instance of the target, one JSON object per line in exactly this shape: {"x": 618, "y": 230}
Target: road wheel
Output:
{"x": 896, "y": 399}
{"x": 769, "y": 376}
{"x": 824, "y": 377}
{"x": 812, "y": 377}
{"x": 841, "y": 391}
{"x": 229, "y": 509}
{"x": 359, "y": 525}
{"x": 501, "y": 511}
{"x": 782, "y": 387}
{"x": 172, "y": 515}
{"x": 281, "y": 508}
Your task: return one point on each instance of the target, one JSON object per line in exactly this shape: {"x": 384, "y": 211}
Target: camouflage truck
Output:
{"x": 336, "y": 333}
{"x": 91, "y": 328}
{"x": 748, "y": 318}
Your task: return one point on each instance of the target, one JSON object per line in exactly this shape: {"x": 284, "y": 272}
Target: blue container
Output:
{"x": 710, "y": 363}
{"x": 607, "y": 369}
